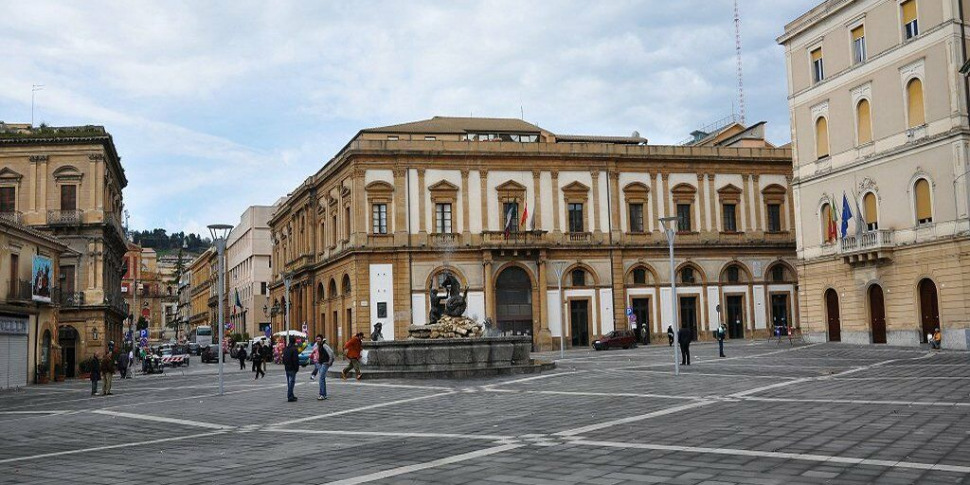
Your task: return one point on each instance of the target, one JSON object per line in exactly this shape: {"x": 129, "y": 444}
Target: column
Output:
{"x": 756, "y": 193}
{"x": 596, "y": 205}
{"x": 400, "y": 207}
{"x": 544, "y": 341}
{"x": 537, "y": 190}
{"x": 654, "y": 194}
{"x": 614, "y": 200}
{"x": 359, "y": 201}
{"x": 746, "y": 200}
{"x": 666, "y": 193}
{"x": 556, "y": 195}
{"x": 483, "y": 195}
{"x": 422, "y": 223}
{"x": 703, "y": 226}
{"x": 790, "y": 226}
{"x": 465, "y": 222}
{"x": 712, "y": 199}
{"x": 487, "y": 279}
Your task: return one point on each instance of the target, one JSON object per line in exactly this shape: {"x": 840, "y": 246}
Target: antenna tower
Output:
{"x": 737, "y": 48}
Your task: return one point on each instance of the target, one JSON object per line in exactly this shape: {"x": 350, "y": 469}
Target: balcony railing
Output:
{"x": 68, "y": 298}
{"x": 16, "y": 217}
{"x": 444, "y": 239}
{"x": 518, "y": 238}
{"x": 70, "y": 217}
{"x": 868, "y": 246}
{"x": 579, "y": 237}
{"x": 19, "y": 290}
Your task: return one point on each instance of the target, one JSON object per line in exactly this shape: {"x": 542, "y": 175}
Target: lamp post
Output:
{"x": 559, "y": 268}
{"x": 669, "y": 225}
{"x": 219, "y": 234}
{"x": 287, "y": 281}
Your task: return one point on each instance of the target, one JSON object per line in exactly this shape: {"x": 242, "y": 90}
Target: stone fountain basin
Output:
{"x": 453, "y": 358}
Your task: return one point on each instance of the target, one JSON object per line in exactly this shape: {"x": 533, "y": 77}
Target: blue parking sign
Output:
{"x": 629, "y": 311}
{"x": 143, "y": 333}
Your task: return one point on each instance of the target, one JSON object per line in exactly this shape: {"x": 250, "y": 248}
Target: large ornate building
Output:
{"x": 879, "y": 124}
{"x": 507, "y": 207}
{"x": 67, "y": 182}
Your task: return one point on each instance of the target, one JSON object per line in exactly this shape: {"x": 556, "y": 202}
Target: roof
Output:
{"x": 632, "y": 140}
{"x": 459, "y": 125}
{"x": 53, "y": 241}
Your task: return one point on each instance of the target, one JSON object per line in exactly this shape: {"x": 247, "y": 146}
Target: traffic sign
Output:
{"x": 305, "y": 327}
{"x": 629, "y": 311}
{"x": 633, "y": 319}
{"x": 143, "y": 333}
{"x": 144, "y": 342}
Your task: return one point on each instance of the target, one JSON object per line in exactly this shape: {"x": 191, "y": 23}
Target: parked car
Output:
{"x": 194, "y": 348}
{"x": 211, "y": 354}
{"x": 305, "y": 355}
{"x": 616, "y": 339}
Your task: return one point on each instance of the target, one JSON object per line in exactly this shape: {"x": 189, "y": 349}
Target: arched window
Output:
{"x": 689, "y": 276}
{"x": 734, "y": 274}
{"x": 914, "y": 97}
{"x": 871, "y": 212}
{"x": 863, "y": 122}
{"x": 578, "y": 277}
{"x": 779, "y": 273}
{"x": 332, "y": 288}
{"x": 828, "y": 224}
{"x": 320, "y": 294}
{"x": 821, "y": 137}
{"x": 924, "y": 206}
{"x": 346, "y": 285}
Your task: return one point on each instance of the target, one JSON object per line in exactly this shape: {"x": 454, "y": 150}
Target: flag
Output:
{"x": 846, "y": 215}
{"x": 833, "y": 232}
{"x": 238, "y": 302}
{"x": 508, "y": 221}
{"x": 525, "y": 215}
{"x": 860, "y": 223}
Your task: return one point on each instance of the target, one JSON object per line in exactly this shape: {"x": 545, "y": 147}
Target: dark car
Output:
{"x": 211, "y": 354}
{"x": 624, "y": 339}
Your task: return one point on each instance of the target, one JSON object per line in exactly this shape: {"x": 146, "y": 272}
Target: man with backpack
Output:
{"x": 324, "y": 359}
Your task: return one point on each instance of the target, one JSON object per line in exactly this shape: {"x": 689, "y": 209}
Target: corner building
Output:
{"x": 879, "y": 114}
{"x": 503, "y": 204}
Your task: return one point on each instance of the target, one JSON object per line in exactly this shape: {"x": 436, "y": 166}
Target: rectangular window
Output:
{"x": 910, "y": 22}
{"x": 636, "y": 217}
{"x": 859, "y": 44}
{"x": 774, "y": 217}
{"x": 818, "y": 71}
{"x": 262, "y": 287}
{"x": 379, "y": 213}
{"x": 442, "y": 218}
{"x": 575, "y": 217}
{"x": 683, "y": 217}
{"x": 729, "y": 218}
{"x": 382, "y": 309}
{"x": 347, "y": 223}
{"x": 68, "y": 197}
{"x": 510, "y": 211}
{"x": 8, "y": 201}
{"x": 333, "y": 231}
{"x": 67, "y": 279}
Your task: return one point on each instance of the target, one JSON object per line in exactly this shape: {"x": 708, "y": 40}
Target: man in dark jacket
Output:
{"x": 107, "y": 372}
{"x": 241, "y": 355}
{"x": 291, "y": 364}
{"x": 95, "y": 373}
{"x": 684, "y": 336}
{"x": 670, "y": 334}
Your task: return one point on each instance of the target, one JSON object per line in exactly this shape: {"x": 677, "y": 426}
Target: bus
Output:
{"x": 201, "y": 335}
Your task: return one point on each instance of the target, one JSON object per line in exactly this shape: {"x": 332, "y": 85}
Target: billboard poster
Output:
{"x": 41, "y": 273}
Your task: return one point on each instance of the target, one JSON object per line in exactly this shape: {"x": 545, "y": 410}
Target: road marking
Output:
{"x": 780, "y": 455}
{"x": 858, "y": 401}
{"x": 108, "y": 447}
{"x": 33, "y": 412}
{"x": 533, "y": 378}
{"x": 162, "y": 419}
{"x": 391, "y": 434}
{"x": 364, "y": 408}
{"x": 707, "y": 374}
{"x": 633, "y": 419}
{"x": 598, "y": 394}
{"x": 424, "y": 466}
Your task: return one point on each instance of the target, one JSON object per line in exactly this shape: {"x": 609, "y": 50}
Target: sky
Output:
{"x": 216, "y": 106}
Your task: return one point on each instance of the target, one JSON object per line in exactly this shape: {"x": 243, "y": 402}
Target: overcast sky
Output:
{"x": 215, "y": 106}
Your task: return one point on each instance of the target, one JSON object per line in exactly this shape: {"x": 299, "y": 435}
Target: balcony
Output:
{"x": 68, "y": 298}
{"x": 380, "y": 240}
{"x": 519, "y": 238}
{"x": 16, "y": 217}
{"x": 70, "y": 217}
{"x": 447, "y": 239}
{"x": 19, "y": 291}
{"x": 578, "y": 237}
{"x": 871, "y": 246}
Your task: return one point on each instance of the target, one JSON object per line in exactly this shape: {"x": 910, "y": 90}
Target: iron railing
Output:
{"x": 71, "y": 217}
{"x": 16, "y": 217}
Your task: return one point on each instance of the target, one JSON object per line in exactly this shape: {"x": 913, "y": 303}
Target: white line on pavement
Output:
{"x": 389, "y": 434}
{"x": 633, "y": 419}
{"x": 108, "y": 447}
{"x": 162, "y": 419}
{"x": 424, "y": 466}
{"x": 533, "y": 378}
{"x": 364, "y": 408}
{"x": 708, "y": 374}
{"x": 859, "y": 401}
{"x": 779, "y": 455}
{"x": 33, "y": 412}
{"x": 597, "y": 394}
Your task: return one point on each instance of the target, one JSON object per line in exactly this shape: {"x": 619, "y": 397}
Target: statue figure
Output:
{"x": 457, "y": 301}
{"x": 436, "y": 307}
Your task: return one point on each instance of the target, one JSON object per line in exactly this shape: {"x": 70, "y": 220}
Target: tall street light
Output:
{"x": 219, "y": 234}
{"x": 560, "y": 267}
{"x": 287, "y": 281}
{"x": 670, "y": 230}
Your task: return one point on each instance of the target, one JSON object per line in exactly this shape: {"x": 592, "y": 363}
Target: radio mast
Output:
{"x": 737, "y": 48}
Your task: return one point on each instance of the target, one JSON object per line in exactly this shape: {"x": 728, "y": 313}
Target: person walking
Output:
{"x": 670, "y": 334}
{"x": 123, "y": 365}
{"x": 720, "y": 333}
{"x": 107, "y": 373}
{"x": 325, "y": 359}
{"x": 353, "y": 348}
{"x": 258, "y": 357}
{"x": 267, "y": 354}
{"x": 95, "y": 373}
{"x": 684, "y": 336}
{"x": 291, "y": 364}
{"x": 241, "y": 355}
{"x": 315, "y": 356}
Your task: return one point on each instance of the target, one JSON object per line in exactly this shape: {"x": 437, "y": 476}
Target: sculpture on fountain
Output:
{"x": 446, "y": 318}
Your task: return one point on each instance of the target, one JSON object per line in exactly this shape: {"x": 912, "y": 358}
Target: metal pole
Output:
{"x": 673, "y": 298}
{"x": 221, "y": 247}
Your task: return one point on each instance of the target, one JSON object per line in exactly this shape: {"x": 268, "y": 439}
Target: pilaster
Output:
{"x": 483, "y": 195}
{"x": 400, "y": 207}
{"x": 466, "y": 235}
{"x": 422, "y": 217}
{"x": 556, "y": 196}
{"x": 614, "y": 181}
{"x": 654, "y": 194}
{"x": 537, "y": 190}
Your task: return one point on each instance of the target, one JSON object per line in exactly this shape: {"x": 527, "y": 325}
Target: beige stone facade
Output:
{"x": 366, "y": 238}
{"x": 144, "y": 289}
{"x": 248, "y": 250}
{"x": 202, "y": 271}
{"x": 67, "y": 182}
{"x": 879, "y": 119}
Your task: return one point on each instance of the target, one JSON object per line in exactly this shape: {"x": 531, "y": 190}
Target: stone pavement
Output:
{"x": 769, "y": 413}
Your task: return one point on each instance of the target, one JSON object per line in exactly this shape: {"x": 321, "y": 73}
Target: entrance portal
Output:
{"x": 735, "y": 316}
{"x": 779, "y": 310}
{"x": 832, "y": 314}
{"x": 688, "y": 314}
{"x": 641, "y": 310}
{"x": 877, "y": 314}
{"x": 929, "y": 308}
{"x": 67, "y": 338}
{"x": 513, "y": 302}
{"x": 579, "y": 323}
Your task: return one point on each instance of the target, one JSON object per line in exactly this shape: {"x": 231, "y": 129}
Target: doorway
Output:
{"x": 735, "y": 316}
{"x": 929, "y": 308}
{"x": 349, "y": 323}
{"x": 832, "y": 315}
{"x": 513, "y": 302}
{"x": 688, "y": 314}
{"x": 779, "y": 310}
{"x": 641, "y": 310}
{"x": 67, "y": 338}
{"x": 877, "y": 314}
{"x": 579, "y": 323}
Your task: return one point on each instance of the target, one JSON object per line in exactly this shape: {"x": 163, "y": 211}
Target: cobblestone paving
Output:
{"x": 766, "y": 414}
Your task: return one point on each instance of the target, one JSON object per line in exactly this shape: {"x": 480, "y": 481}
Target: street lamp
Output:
{"x": 287, "y": 281}
{"x": 559, "y": 268}
{"x": 219, "y": 234}
{"x": 669, "y": 225}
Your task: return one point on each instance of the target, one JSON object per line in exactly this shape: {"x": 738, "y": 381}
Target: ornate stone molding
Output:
{"x": 96, "y": 157}
{"x": 39, "y": 158}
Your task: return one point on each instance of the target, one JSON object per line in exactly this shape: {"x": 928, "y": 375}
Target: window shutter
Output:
{"x": 865, "y": 122}
{"x": 858, "y": 33}
{"x": 924, "y": 209}
{"x": 826, "y": 216}
{"x": 821, "y": 138}
{"x": 914, "y": 91}
{"x": 909, "y": 11}
{"x": 870, "y": 202}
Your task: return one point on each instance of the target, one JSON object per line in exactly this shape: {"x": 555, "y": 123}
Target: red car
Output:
{"x": 624, "y": 339}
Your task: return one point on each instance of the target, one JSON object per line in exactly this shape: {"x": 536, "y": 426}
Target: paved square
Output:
{"x": 767, "y": 413}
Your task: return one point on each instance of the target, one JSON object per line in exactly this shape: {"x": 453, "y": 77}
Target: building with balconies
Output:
{"x": 67, "y": 182}
{"x": 880, "y": 132}
{"x": 247, "y": 255}
{"x": 201, "y": 289}
{"x": 513, "y": 210}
